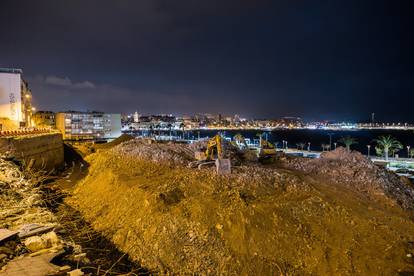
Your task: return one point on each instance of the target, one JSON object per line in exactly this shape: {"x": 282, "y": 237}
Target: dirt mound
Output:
{"x": 145, "y": 149}
{"x": 355, "y": 171}
{"x": 121, "y": 139}
{"x": 230, "y": 151}
{"x": 257, "y": 221}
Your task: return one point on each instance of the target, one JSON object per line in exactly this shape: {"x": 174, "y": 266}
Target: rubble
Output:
{"x": 6, "y": 234}
{"x": 355, "y": 171}
{"x": 35, "y": 243}
{"x": 177, "y": 154}
{"x": 36, "y": 226}
{"x": 24, "y": 216}
{"x": 28, "y": 230}
{"x": 32, "y": 266}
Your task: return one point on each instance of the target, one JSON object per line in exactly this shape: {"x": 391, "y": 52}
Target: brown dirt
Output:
{"x": 259, "y": 220}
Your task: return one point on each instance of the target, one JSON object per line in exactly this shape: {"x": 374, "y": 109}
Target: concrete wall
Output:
{"x": 40, "y": 152}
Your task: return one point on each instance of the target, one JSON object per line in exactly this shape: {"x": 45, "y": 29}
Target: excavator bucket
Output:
{"x": 223, "y": 166}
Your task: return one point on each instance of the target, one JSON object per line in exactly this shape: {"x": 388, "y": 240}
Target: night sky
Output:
{"x": 337, "y": 60}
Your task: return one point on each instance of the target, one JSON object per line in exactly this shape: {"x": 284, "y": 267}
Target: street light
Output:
{"x": 408, "y": 151}
{"x": 309, "y": 146}
{"x": 335, "y": 145}
{"x": 369, "y": 150}
{"x": 330, "y": 140}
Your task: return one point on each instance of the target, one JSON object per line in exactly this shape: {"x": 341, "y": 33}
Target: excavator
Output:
{"x": 212, "y": 155}
{"x": 265, "y": 150}
{"x": 214, "y": 148}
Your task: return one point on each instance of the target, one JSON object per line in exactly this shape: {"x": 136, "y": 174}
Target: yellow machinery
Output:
{"x": 214, "y": 148}
{"x": 266, "y": 149}
{"x": 212, "y": 155}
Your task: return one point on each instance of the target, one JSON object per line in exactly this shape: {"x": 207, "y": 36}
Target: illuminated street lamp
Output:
{"x": 408, "y": 151}
{"x": 369, "y": 150}
{"x": 33, "y": 109}
{"x": 309, "y": 146}
{"x": 335, "y": 145}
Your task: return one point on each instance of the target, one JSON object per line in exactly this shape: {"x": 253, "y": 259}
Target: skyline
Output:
{"x": 336, "y": 61}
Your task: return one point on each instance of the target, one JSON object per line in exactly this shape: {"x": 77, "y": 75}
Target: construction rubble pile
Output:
{"x": 174, "y": 154}
{"x": 292, "y": 217}
{"x": 355, "y": 171}
{"x": 29, "y": 232}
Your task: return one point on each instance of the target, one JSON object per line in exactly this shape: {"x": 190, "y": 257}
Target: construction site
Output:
{"x": 140, "y": 206}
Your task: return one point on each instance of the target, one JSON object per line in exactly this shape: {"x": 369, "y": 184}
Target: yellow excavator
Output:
{"x": 266, "y": 149}
{"x": 214, "y": 148}
{"x": 212, "y": 155}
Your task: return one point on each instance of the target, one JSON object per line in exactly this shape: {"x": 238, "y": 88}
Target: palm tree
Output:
{"x": 379, "y": 151}
{"x": 326, "y": 147}
{"x": 348, "y": 141}
{"x": 240, "y": 139}
{"x": 388, "y": 144}
{"x": 300, "y": 145}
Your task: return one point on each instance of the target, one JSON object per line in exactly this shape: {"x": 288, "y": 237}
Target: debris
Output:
{"x": 355, "y": 171}
{"x": 35, "y": 243}
{"x": 28, "y": 230}
{"x": 65, "y": 268}
{"x": 50, "y": 239}
{"x": 31, "y": 266}
{"x": 76, "y": 272}
{"x": 6, "y": 234}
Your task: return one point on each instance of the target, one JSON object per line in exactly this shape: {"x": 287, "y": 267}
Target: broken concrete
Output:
{"x": 31, "y": 266}
{"x": 33, "y": 229}
{"x": 6, "y": 234}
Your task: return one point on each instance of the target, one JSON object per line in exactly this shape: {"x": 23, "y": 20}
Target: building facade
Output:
{"x": 44, "y": 119}
{"x": 88, "y": 125}
{"x": 15, "y": 100}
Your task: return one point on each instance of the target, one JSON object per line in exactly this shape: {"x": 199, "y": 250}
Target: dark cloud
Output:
{"x": 317, "y": 59}
{"x": 65, "y": 82}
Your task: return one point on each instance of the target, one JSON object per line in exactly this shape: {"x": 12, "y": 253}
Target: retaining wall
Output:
{"x": 40, "y": 152}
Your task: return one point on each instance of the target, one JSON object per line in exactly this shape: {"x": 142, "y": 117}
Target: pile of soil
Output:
{"x": 146, "y": 149}
{"x": 260, "y": 220}
{"x": 355, "y": 171}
